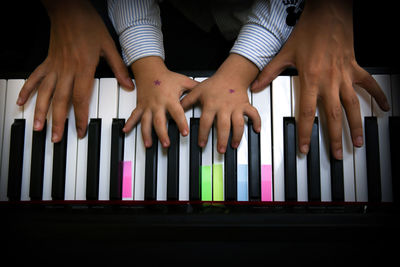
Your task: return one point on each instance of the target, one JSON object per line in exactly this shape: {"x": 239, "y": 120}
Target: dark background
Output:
{"x": 24, "y": 27}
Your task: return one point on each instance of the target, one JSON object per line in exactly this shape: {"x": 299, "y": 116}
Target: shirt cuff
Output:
{"x": 141, "y": 41}
{"x": 257, "y": 44}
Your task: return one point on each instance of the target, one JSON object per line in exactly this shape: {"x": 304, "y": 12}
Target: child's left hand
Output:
{"x": 224, "y": 96}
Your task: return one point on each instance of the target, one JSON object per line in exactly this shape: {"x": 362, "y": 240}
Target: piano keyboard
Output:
{"x": 267, "y": 167}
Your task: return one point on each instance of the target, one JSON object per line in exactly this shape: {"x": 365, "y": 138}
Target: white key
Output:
{"x": 184, "y": 155}
{"x": 324, "y": 155}
{"x": 384, "y": 139}
{"x": 395, "y": 86}
{"x": 108, "y": 105}
{"x": 243, "y": 166}
{"x": 127, "y": 103}
{"x": 281, "y": 107}
{"x": 162, "y": 166}
{"x": 48, "y": 158}
{"x": 360, "y": 160}
{"x": 29, "y": 112}
{"x": 3, "y": 89}
{"x": 206, "y": 157}
{"x": 301, "y": 159}
{"x": 12, "y": 111}
{"x": 348, "y": 161}
{"x": 262, "y": 102}
{"x": 72, "y": 149}
{"x": 140, "y": 164}
{"x": 81, "y": 161}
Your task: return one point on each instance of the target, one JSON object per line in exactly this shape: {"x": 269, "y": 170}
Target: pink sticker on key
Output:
{"x": 127, "y": 179}
{"x": 266, "y": 183}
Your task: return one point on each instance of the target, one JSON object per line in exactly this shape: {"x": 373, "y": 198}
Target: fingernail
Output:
{"x": 202, "y": 143}
{"x": 36, "y": 125}
{"x": 221, "y": 150}
{"x": 359, "y": 141}
{"x": 54, "y": 137}
{"x": 339, "y": 153}
{"x": 19, "y": 101}
{"x": 165, "y": 144}
{"x": 80, "y": 132}
{"x": 147, "y": 143}
{"x": 386, "y": 106}
{"x": 235, "y": 145}
{"x": 185, "y": 132}
{"x": 304, "y": 149}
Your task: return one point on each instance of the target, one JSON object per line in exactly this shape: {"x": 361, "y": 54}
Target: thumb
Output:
{"x": 117, "y": 66}
{"x": 278, "y": 64}
{"x": 190, "y": 99}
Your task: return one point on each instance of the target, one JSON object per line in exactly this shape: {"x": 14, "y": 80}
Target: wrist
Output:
{"x": 148, "y": 67}
{"x": 238, "y": 70}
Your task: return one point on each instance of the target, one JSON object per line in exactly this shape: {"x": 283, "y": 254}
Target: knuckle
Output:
{"x": 335, "y": 113}
{"x": 308, "y": 112}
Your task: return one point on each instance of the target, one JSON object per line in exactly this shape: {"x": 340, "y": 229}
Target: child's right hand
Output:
{"x": 158, "y": 92}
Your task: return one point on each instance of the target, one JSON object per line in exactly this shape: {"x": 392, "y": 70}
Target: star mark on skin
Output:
{"x": 157, "y": 82}
{"x": 231, "y": 91}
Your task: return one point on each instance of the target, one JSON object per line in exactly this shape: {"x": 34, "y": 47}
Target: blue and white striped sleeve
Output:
{"x": 138, "y": 25}
{"x": 264, "y": 32}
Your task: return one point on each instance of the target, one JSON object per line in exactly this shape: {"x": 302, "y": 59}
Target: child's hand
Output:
{"x": 224, "y": 95}
{"x": 158, "y": 91}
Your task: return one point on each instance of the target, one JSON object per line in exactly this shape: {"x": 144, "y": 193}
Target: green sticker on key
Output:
{"x": 218, "y": 182}
{"x": 206, "y": 183}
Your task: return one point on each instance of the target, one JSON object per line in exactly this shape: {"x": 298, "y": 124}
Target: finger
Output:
{"x": 206, "y": 121}
{"x": 177, "y": 113}
{"x": 252, "y": 113}
{"x": 189, "y": 83}
{"x": 32, "y": 83}
{"x": 352, "y": 107}
{"x": 306, "y": 116}
{"x": 281, "y": 61}
{"x": 83, "y": 87}
{"x": 366, "y": 81}
{"x": 117, "y": 65}
{"x": 160, "y": 126}
{"x": 45, "y": 91}
{"x": 333, "y": 112}
{"x": 223, "y": 129}
{"x": 190, "y": 99}
{"x": 237, "y": 128}
{"x": 133, "y": 120}
{"x": 146, "y": 123}
{"x": 61, "y": 102}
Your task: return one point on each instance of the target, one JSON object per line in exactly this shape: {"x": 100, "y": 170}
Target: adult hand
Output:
{"x": 321, "y": 48}
{"x": 78, "y": 37}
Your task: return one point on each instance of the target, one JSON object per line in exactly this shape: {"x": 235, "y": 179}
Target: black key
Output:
{"x": 117, "y": 158}
{"x": 337, "y": 183}
{"x": 313, "y": 165}
{"x": 254, "y": 164}
{"x": 173, "y": 162}
{"x": 289, "y": 131}
{"x": 373, "y": 162}
{"x": 195, "y": 161}
{"x": 394, "y": 132}
{"x": 59, "y": 166}
{"x": 150, "y": 187}
{"x": 93, "y": 159}
{"x": 37, "y": 163}
{"x": 230, "y": 171}
{"x": 16, "y": 159}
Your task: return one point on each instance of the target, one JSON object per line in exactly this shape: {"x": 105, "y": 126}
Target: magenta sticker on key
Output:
{"x": 127, "y": 179}
{"x": 266, "y": 182}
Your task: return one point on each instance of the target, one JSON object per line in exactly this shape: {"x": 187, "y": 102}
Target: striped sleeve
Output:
{"x": 138, "y": 25}
{"x": 264, "y": 32}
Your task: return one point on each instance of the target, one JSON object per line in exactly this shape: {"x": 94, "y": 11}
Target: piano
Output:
{"x": 106, "y": 199}
{"x": 263, "y": 184}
